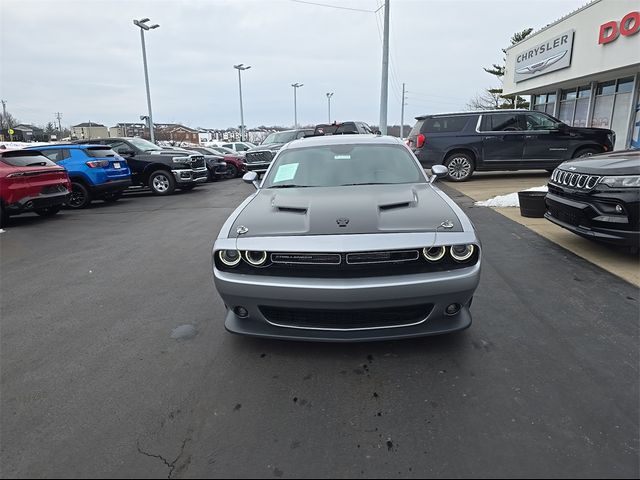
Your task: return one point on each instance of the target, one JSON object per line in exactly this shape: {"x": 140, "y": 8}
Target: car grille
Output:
{"x": 578, "y": 181}
{"x": 258, "y": 157}
{"x": 197, "y": 162}
{"x": 349, "y": 264}
{"x": 346, "y": 319}
{"x": 567, "y": 215}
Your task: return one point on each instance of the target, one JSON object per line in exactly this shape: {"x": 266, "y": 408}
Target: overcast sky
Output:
{"x": 83, "y": 58}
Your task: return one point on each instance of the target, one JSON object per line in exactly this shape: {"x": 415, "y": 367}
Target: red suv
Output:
{"x": 30, "y": 182}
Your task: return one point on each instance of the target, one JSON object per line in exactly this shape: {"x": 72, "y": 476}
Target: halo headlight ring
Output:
{"x": 462, "y": 256}
{"x": 434, "y": 254}
{"x": 255, "y": 258}
{"x": 230, "y": 258}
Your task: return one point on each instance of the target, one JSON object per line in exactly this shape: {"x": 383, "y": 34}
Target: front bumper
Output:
{"x": 189, "y": 176}
{"x": 578, "y": 217}
{"x": 438, "y": 289}
{"x": 29, "y": 204}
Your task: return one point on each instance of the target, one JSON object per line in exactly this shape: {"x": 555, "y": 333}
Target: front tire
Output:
{"x": 162, "y": 182}
{"x": 80, "y": 196}
{"x": 48, "y": 211}
{"x": 3, "y": 217}
{"x": 232, "y": 172}
{"x": 460, "y": 167}
{"x": 586, "y": 152}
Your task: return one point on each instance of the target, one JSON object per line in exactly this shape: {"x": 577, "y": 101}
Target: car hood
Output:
{"x": 361, "y": 209}
{"x": 616, "y": 164}
{"x": 591, "y": 130}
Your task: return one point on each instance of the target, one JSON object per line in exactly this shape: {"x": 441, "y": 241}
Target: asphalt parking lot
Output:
{"x": 544, "y": 384}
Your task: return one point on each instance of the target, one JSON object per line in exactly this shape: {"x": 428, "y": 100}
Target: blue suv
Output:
{"x": 96, "y": 171}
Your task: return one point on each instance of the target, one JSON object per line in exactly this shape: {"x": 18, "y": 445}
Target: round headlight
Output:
{"x": 434, "y": 254}
{"x": 230, "y": 258}
{"x": 255, "y": 258}
{"x": 462, "y": 253}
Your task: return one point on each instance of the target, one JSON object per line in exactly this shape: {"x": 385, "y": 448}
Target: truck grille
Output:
{"x": 578, "y": 181}
{"x": 197, "y": 162}
{"x": 362, "y": 319}
{"x": 259, "y": 157}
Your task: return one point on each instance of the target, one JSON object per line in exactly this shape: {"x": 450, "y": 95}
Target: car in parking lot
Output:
{"x": 152, "y": 166}
{"x": 598, "y": 197}
{"x": 96, "y": 171}
{"x": 346, "y": 239}
{"x": 502, "y": 140}
{"x": 259, "y": 158}
{"x": 234, "y": 163}
{"x": 342, "y": 128}
{"x": 239, "y": 147}
{"x": 30, "y": 182}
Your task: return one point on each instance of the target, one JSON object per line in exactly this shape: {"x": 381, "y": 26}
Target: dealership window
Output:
{"x": 545, "y": 102}
{"x": 611, "y": 108}
{"x": 574, "y": 105}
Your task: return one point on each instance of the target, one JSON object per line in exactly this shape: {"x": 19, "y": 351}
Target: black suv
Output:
{"x": 502, "y": 140}
{"x": 162, "y": 170}
{"x": 259, "y": 158}
{"x": 343, "y": 128}
{"x": 598, "y": 197}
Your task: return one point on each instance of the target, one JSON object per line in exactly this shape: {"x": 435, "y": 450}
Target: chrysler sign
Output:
{"x": 552, "y": 55}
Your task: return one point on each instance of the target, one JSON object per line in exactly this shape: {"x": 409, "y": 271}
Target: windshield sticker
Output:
{"x": 342, "y": 157}
{"x": 286, "y": 172}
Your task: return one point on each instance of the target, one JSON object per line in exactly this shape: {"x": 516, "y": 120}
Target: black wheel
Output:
{"x": 161, "y": 182}
{"x": 3, "y": 217}
{"x": 232, "y": 171}
{"x": 586, "y": 152}
{"x": 460, "y": 167}
{"x": 48, "y": 211}
{"x": 211, "y": 176}
{"x": 112, "y": 197}
{"x": 80, "y": 196}
{"x": 187, "y": 188}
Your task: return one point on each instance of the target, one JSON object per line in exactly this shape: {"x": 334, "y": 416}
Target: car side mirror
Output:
{"x": 438, "y": 171}
{"x": 252, "y": 178}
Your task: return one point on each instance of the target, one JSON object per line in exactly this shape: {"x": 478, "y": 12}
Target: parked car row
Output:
{"x": 102, "y": 169}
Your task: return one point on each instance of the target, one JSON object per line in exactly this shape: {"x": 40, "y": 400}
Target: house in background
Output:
{"x": 89, "y": 130}
{"x": 129, "y": 130}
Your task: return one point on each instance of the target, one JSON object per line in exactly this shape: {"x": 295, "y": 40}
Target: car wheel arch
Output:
{"x": 465, "y": 150}
{"x": 153, "y": 168}
{"x": 590, "y": 146}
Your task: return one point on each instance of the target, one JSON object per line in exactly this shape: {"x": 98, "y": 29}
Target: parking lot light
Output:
{"x": 142, "y": 24}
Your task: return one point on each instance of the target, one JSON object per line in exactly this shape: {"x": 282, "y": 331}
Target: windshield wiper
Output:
{"x": 289, "y": 186}
{"x": 369, "y": 183}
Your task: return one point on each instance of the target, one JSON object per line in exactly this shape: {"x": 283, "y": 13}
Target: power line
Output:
{"x": 334, "y": 6}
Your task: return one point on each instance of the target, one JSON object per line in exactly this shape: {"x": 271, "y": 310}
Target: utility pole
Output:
{"x": 4, "y": 117}
{"x": 329, "y": 95}
{"x": 295, "y": 86}
{"x": 402, "y": 112}
{"x": 143, "y": 26}
{"x": 58, "y": 117}
{"x": 240, "y": 67}
{"x": 384, "y": 86}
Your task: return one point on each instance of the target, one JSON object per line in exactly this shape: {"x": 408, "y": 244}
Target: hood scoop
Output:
{"x": 406, "y": 200}
{"x": 393, "y": 206}
{"x": 281, "y": 203}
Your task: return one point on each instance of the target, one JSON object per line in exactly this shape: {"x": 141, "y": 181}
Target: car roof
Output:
{"x": 65, "y": 145}
{"x": 473, "y": 112}
{"x": 324, "y": 140}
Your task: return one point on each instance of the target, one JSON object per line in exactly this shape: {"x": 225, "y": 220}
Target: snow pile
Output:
{"x": 2, "y": 231}
{"x": 510, "y": 200}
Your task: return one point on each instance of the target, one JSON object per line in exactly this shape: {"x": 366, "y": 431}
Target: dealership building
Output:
{"x": 584, "y": 69}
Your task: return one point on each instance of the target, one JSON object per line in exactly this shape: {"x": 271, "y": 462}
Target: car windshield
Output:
{"x": 144, "y": 145}
{"x": 342, "y": 165}
{"x": 280, "y": 137}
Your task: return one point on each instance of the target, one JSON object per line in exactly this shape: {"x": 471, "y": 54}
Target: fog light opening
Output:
{"x": 619, "y": 209}
{"x": 453, "y": 309}
{"x": 241, "y": 312}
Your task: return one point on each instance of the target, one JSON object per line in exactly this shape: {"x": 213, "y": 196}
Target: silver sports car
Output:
{"x": 346, "y": 239}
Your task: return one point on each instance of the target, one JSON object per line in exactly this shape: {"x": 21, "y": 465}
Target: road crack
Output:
{"x": 170, "y": 465}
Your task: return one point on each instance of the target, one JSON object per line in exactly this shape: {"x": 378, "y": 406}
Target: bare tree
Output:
{"x": 490, "y": 99}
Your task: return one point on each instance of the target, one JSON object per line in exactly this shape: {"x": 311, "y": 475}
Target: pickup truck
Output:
{"x": 159, "y": 169}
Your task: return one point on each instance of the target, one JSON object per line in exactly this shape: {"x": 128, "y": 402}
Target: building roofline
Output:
{"x": 552, "y": 24}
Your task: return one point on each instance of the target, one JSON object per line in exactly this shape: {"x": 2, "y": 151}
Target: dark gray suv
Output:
{"x": 502, "y": 140}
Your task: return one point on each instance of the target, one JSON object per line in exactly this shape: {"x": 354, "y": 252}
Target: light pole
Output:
{"x": 384, "y": 84}
{"x": 143, "y": 26}
{"x": 295, "y": 86}
{"x": 329, "y": 95}
{"x": 241, "y": 67}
